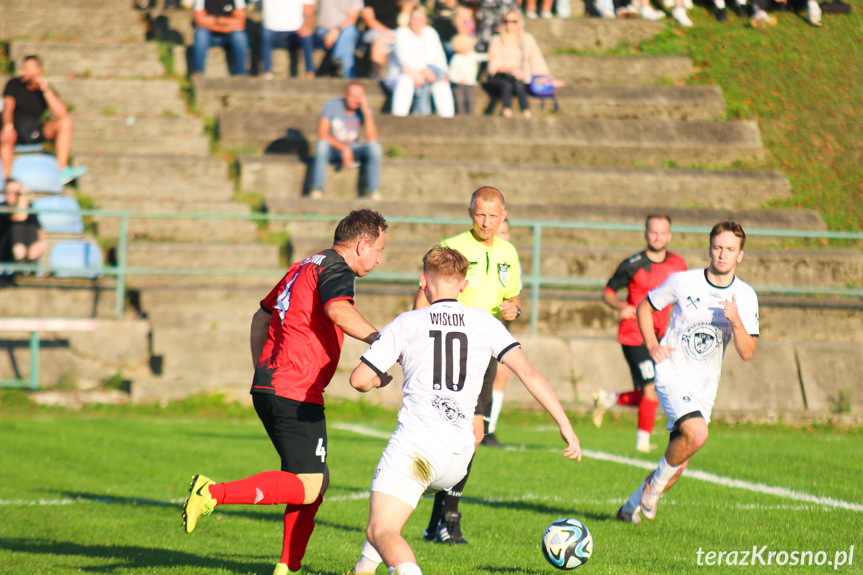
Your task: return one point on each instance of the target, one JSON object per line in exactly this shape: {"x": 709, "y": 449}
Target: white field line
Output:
{"x": 815, "y": 502}
{"x": 692, "y": 473}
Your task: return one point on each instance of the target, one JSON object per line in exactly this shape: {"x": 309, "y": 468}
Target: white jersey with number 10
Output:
{"x": 444, "y": 350}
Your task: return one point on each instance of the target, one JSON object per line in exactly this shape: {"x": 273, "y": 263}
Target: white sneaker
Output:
{"x": 649, "y": 502}
{"x": 644, "y": 446}
{"x": 602, "y": 402}
{"x": 652, "y": 14}
{"x": 679, "y": 15}
{"x": 316, "y": 194}
{"x": 633, "y": 517}
{"x": 530, "y": 15}
{"x": 814, "y": 12}
{"x": 761, "y": 20}
{"x": 545, "y": 15}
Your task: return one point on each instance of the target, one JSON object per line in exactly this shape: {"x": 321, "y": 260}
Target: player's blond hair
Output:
{"x": 729, "y": 226}
{"x": 445, "y": 262}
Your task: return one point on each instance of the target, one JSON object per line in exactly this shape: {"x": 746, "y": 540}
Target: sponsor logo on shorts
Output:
{"x": 702, "y": 341}
{"x": 448, "y": 408}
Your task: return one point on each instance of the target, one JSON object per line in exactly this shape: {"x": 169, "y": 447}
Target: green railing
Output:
{"x": 533, "y": 280}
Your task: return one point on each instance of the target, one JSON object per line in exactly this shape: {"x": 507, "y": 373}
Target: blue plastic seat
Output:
{"x": 28, "y": 148}
{"x": 38, "y": 173}
{"x": 76, "y": 259}
{"x": 59, "y": 215}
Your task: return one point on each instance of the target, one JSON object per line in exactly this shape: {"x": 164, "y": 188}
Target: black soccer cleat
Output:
{"x": 490, "y": 440}
{"x": 449, "y": 530}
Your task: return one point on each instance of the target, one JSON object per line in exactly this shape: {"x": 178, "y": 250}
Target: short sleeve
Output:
{"x": 356, "y": 5}
{"x": 268, "y": 304}
{"x": 8, "y": 90}
{"x": 622, "y": 277}
{"x": 330, "y": 110}
{"x": 514, "y": 283}
{"x": 666, "y": 294}
{"x": 747, "y": 308}
{"x": 335, "y": 282}
{"x": 386, "y": 349}
{"x": 502, "y": 341}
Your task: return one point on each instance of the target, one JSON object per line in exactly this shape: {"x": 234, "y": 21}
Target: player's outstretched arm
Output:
{"x": 344, "y": 314}
{"x": 540, "y": 389}
{"x": 364, "y": 378}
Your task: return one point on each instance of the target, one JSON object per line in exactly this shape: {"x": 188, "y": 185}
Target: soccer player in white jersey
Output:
{"x": 711, "y": 307}
{"x": 444, "y": 351}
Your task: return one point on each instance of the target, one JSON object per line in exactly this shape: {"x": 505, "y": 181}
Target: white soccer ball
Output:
{"x": 567, "y": 544}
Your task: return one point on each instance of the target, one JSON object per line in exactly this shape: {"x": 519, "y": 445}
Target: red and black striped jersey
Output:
{"x": 303, "y": 345}
{"x": 640, "y": 275}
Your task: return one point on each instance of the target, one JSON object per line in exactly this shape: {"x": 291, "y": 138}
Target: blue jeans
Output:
{"x": 237, "y": 42}
{"x": 273, "y": 39}
{"x": 343, "y": 49}
{"x": 368, "y": 154}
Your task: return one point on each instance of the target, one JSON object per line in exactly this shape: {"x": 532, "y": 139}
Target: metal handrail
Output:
{"x": 534, "y": 280}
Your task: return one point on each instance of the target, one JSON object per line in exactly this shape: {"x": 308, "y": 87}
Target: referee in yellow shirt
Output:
{"x": 493, "y": 285}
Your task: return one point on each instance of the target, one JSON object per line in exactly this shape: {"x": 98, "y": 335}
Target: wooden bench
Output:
{"x": 35, "y": 326}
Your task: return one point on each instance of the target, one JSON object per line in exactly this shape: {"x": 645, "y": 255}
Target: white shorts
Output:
{"x": 409, "y": 468}
{"x": 678, "y": 399}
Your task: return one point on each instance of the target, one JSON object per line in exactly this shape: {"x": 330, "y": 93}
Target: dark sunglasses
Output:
{"x": 512, "y": 21}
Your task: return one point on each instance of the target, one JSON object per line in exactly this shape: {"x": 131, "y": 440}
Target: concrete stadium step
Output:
{"x": 54, "y": 297}
{"x": 195, "y": 146}
{"x": 213, "y": 359}
{"x": 93, "y": 60}
{"x": 117, "y": 97}
{"x": 810, "y": 268}
{"x": 154, "y": 168}
{"x": 619, "y": 70}
{"x": 583, "y": 314}
{"x": 282, "y": 178}
{"x": 207, "y": 256}
{"x": 182, "y": 230}
{"x": 308, "y": 97}
{"x": 172, "y": 308}
{"x": 433, "y": 233}
{"x": 552, "y": 140}
{"x": 104, "y": 190}
{"x": 61, "y": 21}
{"x": 132, "y": 127}
{"x": 583, "y": 34}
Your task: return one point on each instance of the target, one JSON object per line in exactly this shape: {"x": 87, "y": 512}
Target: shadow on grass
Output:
{"x": 125, "y": 557}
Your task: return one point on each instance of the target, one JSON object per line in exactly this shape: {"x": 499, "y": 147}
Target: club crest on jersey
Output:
{"x": 448, "y": 408}
{"x": 701, "y": 341}
{"x": 503, "y": 273}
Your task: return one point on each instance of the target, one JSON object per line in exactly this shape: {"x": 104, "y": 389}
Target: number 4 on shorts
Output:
{"x": 321, "y": 451}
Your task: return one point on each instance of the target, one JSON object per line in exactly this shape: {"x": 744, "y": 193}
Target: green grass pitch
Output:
{"x": 100, "y": 492}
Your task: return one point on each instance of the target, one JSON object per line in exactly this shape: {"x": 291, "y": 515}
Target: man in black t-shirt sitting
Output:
{"x": 27, "y": 99}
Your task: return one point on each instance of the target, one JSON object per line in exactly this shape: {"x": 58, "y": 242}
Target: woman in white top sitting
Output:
{"x": 419, "y": 64}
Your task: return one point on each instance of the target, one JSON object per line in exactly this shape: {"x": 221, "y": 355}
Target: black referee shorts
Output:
{"x": 298, "y": 431}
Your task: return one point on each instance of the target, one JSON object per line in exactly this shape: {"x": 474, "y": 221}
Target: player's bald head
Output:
{"x": 487, "y": 194}
{"x": 445, "y": 263}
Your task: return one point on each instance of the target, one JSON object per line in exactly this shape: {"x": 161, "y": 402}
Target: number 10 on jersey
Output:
{"x": 444, "y": 353}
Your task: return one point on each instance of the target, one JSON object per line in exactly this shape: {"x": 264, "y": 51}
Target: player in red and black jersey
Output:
{"x": 296, "y": 339}
{"x": 639, "y": 274}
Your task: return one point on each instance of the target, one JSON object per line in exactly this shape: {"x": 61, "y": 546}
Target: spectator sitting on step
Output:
{"x": 419, "y": 64}
{"x": 20, "y": 232}
{"x": 489, "y": 17}
{"x": 220, "y": 23}
{"x": 514, "y": 58}
{"x": 26, "y": 100}
{"x": 381, "y": 20}
{"x": 337, "y": 31}
{"x": 288, "y": 24}
{"x": 339, "y": 127}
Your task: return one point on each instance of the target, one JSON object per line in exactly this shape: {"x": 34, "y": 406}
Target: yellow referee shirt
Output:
{"x": 493, "y": 275}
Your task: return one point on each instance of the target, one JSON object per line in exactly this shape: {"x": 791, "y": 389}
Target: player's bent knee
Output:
{"x": 313, "y": 484}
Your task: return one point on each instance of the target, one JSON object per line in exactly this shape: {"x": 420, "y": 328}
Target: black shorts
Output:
{"x": 29, "y": 132}
{"x": 640, "y": 365}
{"x": 24, "y": 233}
{"x": 483, "y": 404}
{"x": 298, "y": 431}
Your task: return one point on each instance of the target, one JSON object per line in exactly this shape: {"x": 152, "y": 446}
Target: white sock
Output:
{"x": 634, "y": 500}
{"x": 496, "y": 406}
{"x": 663, "y": 474}
{"x": 642, "y": 437}
{"x": 369, "y": 560}
{"x": 406, "y": 569}
{"x": 720, "y": 4}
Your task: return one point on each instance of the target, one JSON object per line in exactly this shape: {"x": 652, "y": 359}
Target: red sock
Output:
{"x": 647, "y": 415}
{"x": 629, "y": 398}
{"x": 267, "y": 488}
{"x": 299, "y": 524}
